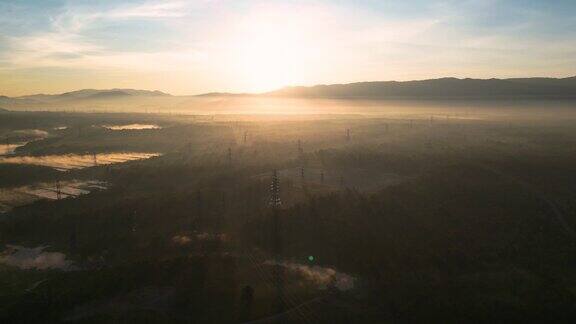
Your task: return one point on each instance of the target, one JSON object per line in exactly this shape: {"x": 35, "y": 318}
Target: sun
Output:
{"x": 272, "y": 55}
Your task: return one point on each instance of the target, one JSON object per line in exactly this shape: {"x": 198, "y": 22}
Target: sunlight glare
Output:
{"x": 272, "y": 54}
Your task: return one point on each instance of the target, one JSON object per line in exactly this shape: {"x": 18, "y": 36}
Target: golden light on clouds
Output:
{"x": 187, "y": 47}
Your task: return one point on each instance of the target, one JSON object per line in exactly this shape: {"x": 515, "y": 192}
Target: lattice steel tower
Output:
{"x": 277, "y": 273}
{"x": 58, "y": 190}
{"x": 229, "y": 156}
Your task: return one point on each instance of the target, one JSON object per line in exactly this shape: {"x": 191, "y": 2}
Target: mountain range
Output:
{"x": 432, "y": 89}
{"x": 90, "y": 94}
{"x": 444, "y": 88}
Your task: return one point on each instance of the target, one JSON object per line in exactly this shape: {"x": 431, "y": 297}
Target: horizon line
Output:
{"x": 287, "y": 86}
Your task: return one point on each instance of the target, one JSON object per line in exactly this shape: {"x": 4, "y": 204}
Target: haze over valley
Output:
{"x": 167, "y": 161}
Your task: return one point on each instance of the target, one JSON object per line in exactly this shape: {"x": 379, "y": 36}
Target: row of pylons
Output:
{"x": 275, "y": 204}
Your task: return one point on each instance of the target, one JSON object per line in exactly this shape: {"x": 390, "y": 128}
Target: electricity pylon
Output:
{"x": 58, "y": 190}
{"x": 277, "y": 273}
{"x": 229, "y": 156}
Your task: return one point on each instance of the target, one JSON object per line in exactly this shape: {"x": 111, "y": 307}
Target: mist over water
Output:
{"x": 323, "y": 277}
{"x": 35, "y": 258}
{"x": 289, "y": 162}
{"x": 131, "y": 127}
{"x": 67, "y": 189}
{"x": 10, "y": 148}
{"x": 77, "y": 161}
{"x": 11, "y": 197}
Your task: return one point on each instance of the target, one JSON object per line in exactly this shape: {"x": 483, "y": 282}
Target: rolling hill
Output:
{"x": 478, "y": 91}
{"x": 445, "y": 88}
{"x": 89, "y": 94}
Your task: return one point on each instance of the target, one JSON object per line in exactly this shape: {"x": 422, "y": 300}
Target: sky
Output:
{"x": 199, "y": 46}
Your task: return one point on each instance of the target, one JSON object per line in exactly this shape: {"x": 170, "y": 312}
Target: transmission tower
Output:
{"x": 348, "y": 134}
{"x": 94, "y": 159}
{"x": 58, "y": 190}
{"x": 322, "y": 177}
{"x": 277, "y": 273}
{"x": 245, "y": 137}
{"x": 229, "y": 156}
{"x": 275, "y": 201}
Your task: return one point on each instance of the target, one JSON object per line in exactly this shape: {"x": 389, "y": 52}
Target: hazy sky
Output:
{"x": 189, "y": 47}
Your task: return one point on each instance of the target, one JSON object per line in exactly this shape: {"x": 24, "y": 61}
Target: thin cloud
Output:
{"x": 164, "y": 9}
{"x": 204, "y": 42}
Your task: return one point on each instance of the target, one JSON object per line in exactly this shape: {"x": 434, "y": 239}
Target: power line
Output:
{"x": 305, "y": 314}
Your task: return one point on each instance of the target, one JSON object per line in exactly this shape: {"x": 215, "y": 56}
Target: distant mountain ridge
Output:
{"x": 87, "y": 94}
{"x": 225, "y": 94}
{"x": 432, "y": 89}
{"x": 444, "y": 88}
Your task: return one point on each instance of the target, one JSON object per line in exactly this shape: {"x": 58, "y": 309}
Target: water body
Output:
{"x": 67, "y": 162}
{"x": 24, "y": 195}
{"x": 7, "y": 149}
{"x": 67, "y": 189}
{"x": 132, "y": 127}
{"x": 19, "y": 138}
{"x": 34, "y": 134}
{"x": 35, "y": 258}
